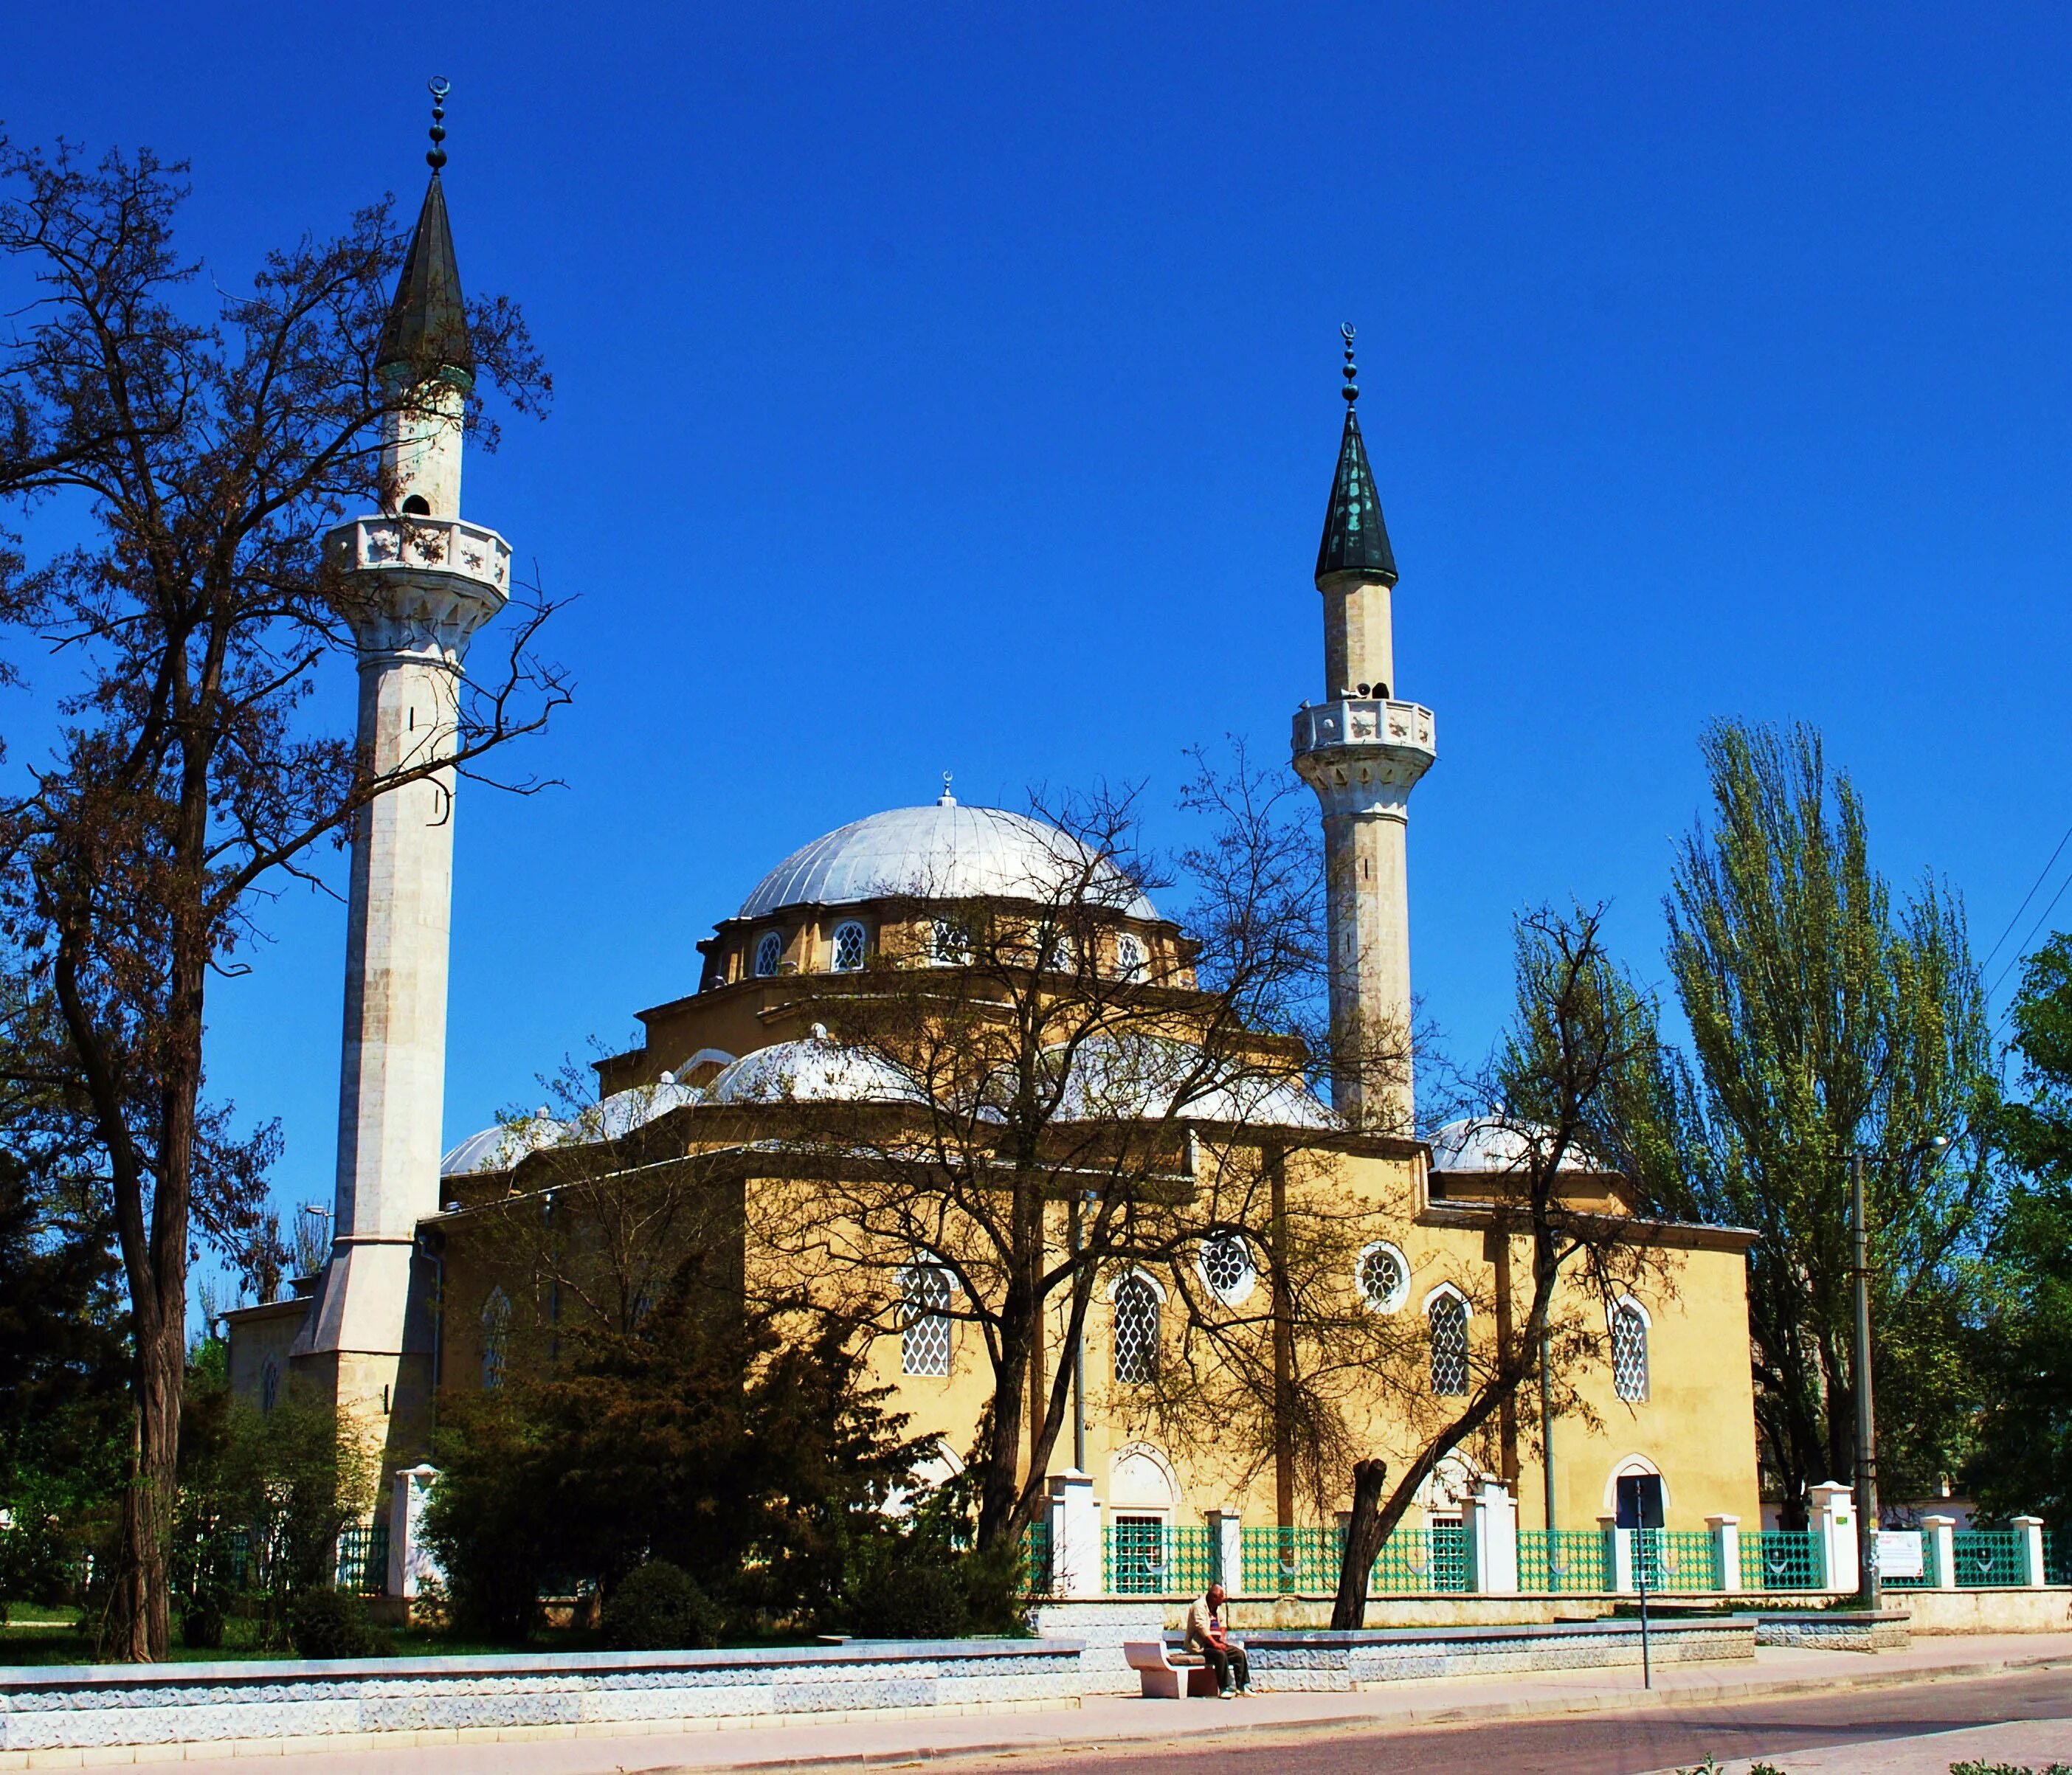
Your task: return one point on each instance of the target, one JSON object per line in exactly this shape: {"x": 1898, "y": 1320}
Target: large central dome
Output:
{"x": 946, "y": 851}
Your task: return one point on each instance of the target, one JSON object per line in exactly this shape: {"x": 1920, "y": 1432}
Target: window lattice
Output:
{"x": 769, "y": 951}
{"x": 1128, "y": 957}
{"x": 924, "y": 1331}
{"x": 270, "y": 1385}
{"x": 1381, "y": 1278}
{"x": 1449, "y": 1320}
{"x": 496, "y": 1338}
{"x": 1629, "y": 1353}
{"x": 951, "y": 944}
{"x": 1227, "y": 1265}
{"x": 1136, "y": 1330}
{"x": 848, "y": 948}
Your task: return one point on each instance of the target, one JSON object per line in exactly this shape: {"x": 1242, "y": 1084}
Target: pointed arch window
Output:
{"x": 769, "y": 953}
{"x": 851, "y": 942}
{"x": 1136, "y": 1330}
{"x": 1129, "y": 956}
{"x": 1447, "y": 1315}
{"x": 1629, "y": 1351}
{"x": 949, "y": 944}
{"x": 924, "y": 1320}
{"x": 496, "y": 1338}
{"x": 270, "y": 1385}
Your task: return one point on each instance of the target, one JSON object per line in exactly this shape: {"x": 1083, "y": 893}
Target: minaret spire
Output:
{"x": 1363, "y": 751}
{"x": 426, "y": 331}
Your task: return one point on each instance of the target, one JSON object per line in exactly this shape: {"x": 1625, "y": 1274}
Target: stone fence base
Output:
{"x": 1328, "y": 1661}
{"x": 1985, "y": 1610}
{"x": 51, "y": 1716}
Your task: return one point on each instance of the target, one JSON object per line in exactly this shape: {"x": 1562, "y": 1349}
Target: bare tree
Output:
{"x": 199, "y": 449}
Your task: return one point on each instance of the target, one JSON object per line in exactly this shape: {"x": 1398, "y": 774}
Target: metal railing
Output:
{"x": 1986, "y": 1557}
{"x": 2058, "y": 1555}
{"x": 1037, "y": 1578}
{"x": 1306, "y": 1561}
{"x": 1676, "y": 1558}
{"x": 1783, "y": 1558}
{"x": 1563, "y": 1560}
{"x": 1143, "y": 1556}
{"x": 362, "y": 1566}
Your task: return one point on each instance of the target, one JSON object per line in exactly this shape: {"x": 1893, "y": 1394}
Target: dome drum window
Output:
{"x": 1136, "y": 1330}
{"x": 1226, "y": 1267}
{"x": 924, "y": 1320}
{"x": 769, "y": 953}
{"x": 496, "y": 1338}
{"x": 1629, "y": 1352}
{"x": 851, "y": 943}
{"x": 1447, "y": 1317}
{"x": 1129, "y": 957}
{"x": 949, "y": 944}
{"x": 1384, "y": 1275}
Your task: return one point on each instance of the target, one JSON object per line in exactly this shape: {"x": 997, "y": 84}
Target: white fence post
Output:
{"x": 1620, "y": 1542}
{"x": 1227, "y": 1534}
{"x": 1075, "y": 1535}
{"x": 1939, "y": 1548}
{"x": 1727, "y": 1550}
{"x": 410, "y": 1561}
{"x": 2032, "y": 1549}
{"x": 1492, "y": 1524}
{"x": 1831, "y": 1512}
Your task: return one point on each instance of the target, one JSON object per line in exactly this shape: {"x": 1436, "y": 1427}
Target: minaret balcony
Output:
{"x": 1364, "y": 754}
{"x": 451, "y": 548}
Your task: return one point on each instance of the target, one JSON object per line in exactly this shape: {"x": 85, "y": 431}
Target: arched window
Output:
{"x": 1135, "y": 1330}
{"x": 496, "y": 1338}
{"x": 1448, "y": 1317}
{"x": 1629, "y": 1351}
{"x": 1128, "y": 956}
{"x": 1226, "y": 1265}
{"x": 270, "y": 1385}
{"x": 418, "y": 506}
{"x": 769, "y": 952}
{"x": 1384, "y": 1277}
{"x": 949, "y": 944}
{"x": 851, "y": 940}
{"x": 924, "y": 1320}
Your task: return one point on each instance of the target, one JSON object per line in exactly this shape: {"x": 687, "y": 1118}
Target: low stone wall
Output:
{"x": 1986, "y": 1611}
{"x": 1838, "y": 1630}
{"x": 1329, "y": 1660}
{"x": 45, "y": 1714}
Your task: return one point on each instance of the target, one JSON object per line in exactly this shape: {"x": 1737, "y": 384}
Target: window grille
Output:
{"x": 1628, "y": 1353}
{"x": 1449, "y": 1320}
{"x": 950, "y": 944}
{"x": 1128, "y": 957}
{"x": 270, "y": 1385}
{"x": 1226, "y": 1267}
{"x": 1136, "y": 1330}
{"x": 924, "y": 1330}
{"x": 496, "y": 1338}
{"x": 1382, "y": 1277}
{"x": 769, "y": 952}
{"x": 848, "y": 948}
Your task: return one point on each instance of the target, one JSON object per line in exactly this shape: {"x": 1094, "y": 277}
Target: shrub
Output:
{"x": 659, "y": 1608}
{"x": 201, "y": 1625}
{"x": 324, "y": 1623}
{"x": 918, "y": 1599}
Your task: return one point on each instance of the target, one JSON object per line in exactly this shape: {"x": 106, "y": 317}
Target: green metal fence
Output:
{"x": 1282, "y": 1562}
{"x": 1415, "y": 1560}
{"x": 1562, "y": 1559}
{"x": 1676, "y": 1558}
{"x": 1036, "y": 1574}
{"x": 1783, "y": 1558}
{"x": 2058, "y": 1555}
{"x": 1986, "y": 1557}
{"x": 362, "y": 1559}
{"x": 1145, "y": 1556}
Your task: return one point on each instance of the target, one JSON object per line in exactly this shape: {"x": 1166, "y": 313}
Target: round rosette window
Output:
{"x": 1226, "y": 1267}
{"x": 1384, "y": 1275}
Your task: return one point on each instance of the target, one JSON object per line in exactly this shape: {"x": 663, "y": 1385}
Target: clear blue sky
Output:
{"x": 954, "y": 387}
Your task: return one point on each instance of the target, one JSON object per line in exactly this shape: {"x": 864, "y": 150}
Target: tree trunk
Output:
{"x": 1362, "y": 1545}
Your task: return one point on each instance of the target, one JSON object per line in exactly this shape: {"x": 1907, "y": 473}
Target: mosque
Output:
{"x": 416, "y": 1304}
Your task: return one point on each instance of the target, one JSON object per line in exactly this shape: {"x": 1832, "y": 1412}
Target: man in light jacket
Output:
{"x": 1207, "y": 1635}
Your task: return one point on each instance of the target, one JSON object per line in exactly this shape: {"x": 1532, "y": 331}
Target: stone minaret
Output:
{"x": 419, "y": 581}
{"x": 1362, "y": 751}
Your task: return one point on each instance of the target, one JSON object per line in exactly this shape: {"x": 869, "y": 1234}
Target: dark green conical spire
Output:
{"x": 1355, "y": 540}
{"x": 426, "y": 330}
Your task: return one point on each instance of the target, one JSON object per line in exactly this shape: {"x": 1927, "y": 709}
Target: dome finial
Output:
{"x": 1351, "y": 390}
{"x": 946, "y": 800}
{"x": 438, "y": 86}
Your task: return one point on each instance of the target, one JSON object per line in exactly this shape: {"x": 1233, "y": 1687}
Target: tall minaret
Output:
{"x": 1363, "y": 751}
{"x": 419, "y": 580}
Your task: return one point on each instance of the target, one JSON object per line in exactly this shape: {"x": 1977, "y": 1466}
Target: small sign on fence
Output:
{"x": 1899, "y": 1553}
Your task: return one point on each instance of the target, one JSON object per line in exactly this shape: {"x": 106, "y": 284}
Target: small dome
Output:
{"x": 500, "y": 1148}
{"x": 812, "y": 1071}
{"x": 945, "y": 852}
{"x": 1153, "y": 1078}
{"x": 1482, "y": 1143}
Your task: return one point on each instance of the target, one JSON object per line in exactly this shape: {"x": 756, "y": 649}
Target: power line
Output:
{"x": 2042, "y": 875}
{"x": 2014, "y": 959}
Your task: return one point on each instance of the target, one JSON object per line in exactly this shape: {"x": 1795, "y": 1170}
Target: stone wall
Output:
{"x": 1328, "y": 1662}
{"x": 351, "y": 1703}
{"x": 1986, "y": 1611}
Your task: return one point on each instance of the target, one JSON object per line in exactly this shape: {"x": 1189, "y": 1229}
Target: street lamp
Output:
{"x": 1870, "y": 1593}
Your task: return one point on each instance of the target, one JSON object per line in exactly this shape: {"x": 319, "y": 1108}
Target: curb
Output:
{"x": 1465, "y": 1714}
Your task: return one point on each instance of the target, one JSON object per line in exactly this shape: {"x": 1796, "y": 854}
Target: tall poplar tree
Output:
{"x": 1826, "y": 1018}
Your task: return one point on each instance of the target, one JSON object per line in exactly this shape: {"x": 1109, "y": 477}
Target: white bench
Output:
{"x": 1160, "y": 1671}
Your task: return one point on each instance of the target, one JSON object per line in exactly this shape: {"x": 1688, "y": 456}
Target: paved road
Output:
{"x": 1878, "y": 1720}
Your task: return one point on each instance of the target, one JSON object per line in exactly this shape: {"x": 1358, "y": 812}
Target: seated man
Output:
{"x": 1206, "y": 1634}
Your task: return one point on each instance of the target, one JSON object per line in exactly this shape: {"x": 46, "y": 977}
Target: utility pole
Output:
{"x": 1547, "y": 1436}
